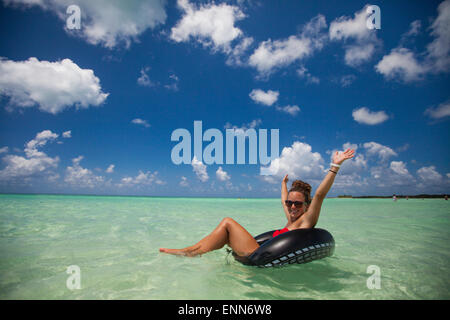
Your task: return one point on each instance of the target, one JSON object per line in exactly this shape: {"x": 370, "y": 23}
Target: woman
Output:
{"x": 300, "y": 211}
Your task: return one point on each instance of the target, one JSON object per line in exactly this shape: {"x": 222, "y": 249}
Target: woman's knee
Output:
{"x": 227, "y": 221}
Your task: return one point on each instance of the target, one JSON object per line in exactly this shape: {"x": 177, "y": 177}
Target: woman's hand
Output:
{"x": 340, "y": 157}
{"x": 285, "y": 179}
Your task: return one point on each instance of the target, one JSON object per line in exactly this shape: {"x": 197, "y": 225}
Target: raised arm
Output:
{"x": 284, "y": 196}
{"x": 311, "y": 216}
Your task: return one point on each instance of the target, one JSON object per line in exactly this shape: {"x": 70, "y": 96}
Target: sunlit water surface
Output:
{"x": 115, "y": 241}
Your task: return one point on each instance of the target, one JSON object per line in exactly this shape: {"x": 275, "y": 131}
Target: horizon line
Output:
{"x": 224, "y": 197}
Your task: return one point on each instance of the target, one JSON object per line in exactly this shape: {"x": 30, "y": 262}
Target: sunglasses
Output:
{"x": 289, "y": 203}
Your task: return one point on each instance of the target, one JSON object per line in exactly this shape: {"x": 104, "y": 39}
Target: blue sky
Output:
{"x": 92, "y": 110}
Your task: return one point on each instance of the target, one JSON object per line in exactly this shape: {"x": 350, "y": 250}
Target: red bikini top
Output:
{"x": 278, "y": 232}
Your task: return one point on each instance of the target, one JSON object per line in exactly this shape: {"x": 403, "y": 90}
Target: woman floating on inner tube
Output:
{"x": 301, "y": 213}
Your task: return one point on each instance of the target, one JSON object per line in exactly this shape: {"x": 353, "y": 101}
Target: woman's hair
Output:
{"x": 303, "y": 187}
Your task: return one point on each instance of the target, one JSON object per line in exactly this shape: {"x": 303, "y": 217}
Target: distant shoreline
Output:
{"x": 419, "y": 196}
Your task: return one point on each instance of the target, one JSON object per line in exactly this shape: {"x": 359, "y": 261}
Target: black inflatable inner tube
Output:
{"x": 296, "y": 246}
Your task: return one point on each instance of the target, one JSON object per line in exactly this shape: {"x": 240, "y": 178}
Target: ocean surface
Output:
{"x": 114, "y": 241}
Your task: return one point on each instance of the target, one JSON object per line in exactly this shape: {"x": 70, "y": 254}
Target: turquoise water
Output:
{"x": 115, "y": 241}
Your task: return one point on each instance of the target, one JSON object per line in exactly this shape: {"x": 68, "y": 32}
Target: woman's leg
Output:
{"x": 227, "y": 232}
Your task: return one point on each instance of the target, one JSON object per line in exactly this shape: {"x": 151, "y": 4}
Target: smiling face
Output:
{"x": 296, "y": 211}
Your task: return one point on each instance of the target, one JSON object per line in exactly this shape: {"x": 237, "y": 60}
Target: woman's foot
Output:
{"x": 178, "y": 252}
{"x": 189, "y": 251}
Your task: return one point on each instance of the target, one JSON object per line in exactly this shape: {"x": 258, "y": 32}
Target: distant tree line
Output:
{"x": 399, "y": 196}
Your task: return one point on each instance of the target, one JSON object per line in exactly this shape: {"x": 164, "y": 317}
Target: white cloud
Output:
{"x": 106, "y": 22}
{"x": 144, "y": 79}
{"x": 403, "y": 148}
{"x": 199, "y": 169}
{"x": 110, "y": 169}
{"x": 271, "y": 55}
{"x": 40, "y": 140}
{"x": 4, "y": 150}
{"x": 141, "y": 122}
{"x": 365, "y": 116}
{"x": 141, "y": 179}
{"x": 266, "y": 98}
{"x": 53, "y": 86}
{"x": 235, "y": 56}
{"x": 376, "y": 149}
{"x": 21, "y": 167}
{"x": 303, "y": 73}
{"x": 429, "y": 175}
{"x": 313, "y": 29}
{"x": 357, "y": 164}
{"x": 439, "y": 49}
{"x": 442, "y": 111}
{"x": 414, "y": 30}
{"x": 364, "y": 41}
{"x": 402, "y": 175}
{"x": 298, "y": 161}
{"x": 254, "y": 123}
{"x": 382, "y": 174}
{"x": 348, "y": 145}
{"x": 358, "y": 54}
{"x": 401, "y": 64}
{"x": 241, "y": 130}
{"x": 292, "y": 110}
{"x": 210, "y": 24}
{"x": 279, "y": 53}
{"x": 348, "y": 183}
{"x": 390, "y": 176}
{"x": 213, "y": 26}
{"x": 431, "y": 181}
{"x": 35, "y": 163}
{"x": 399, "y": 167}
{"x": 347, "y": 80}
{"x": 53, "y": 178}
{"x": 222, "y": 175}
{"x": 80, "y": 177}
{"x": 344, "y": 28}
{"x": 365, "y": 173}
{"x": 350, "y": 168}
{"x": 67, "y": 134}
{"x": 184, "y": 182}
{"x": 174, "y": 83}
{"x": 269, "y": 98}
